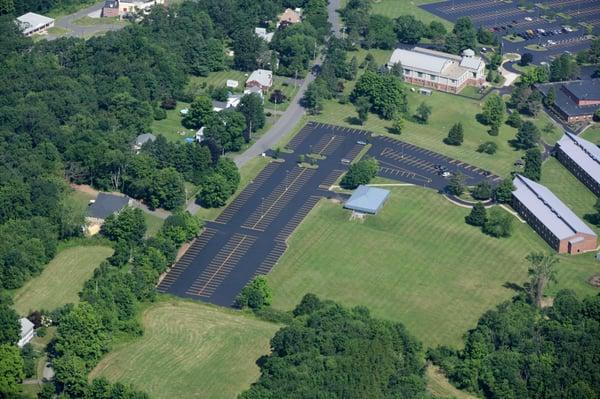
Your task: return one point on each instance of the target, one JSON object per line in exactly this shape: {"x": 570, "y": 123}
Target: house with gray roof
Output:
{"x": 551, "y": 218}
{"x": 438, "y": 70}
{"x": 582, "y": 158}
{"x": 575, "y": 101}
{"x": 141, "y": 140}
{"x": 367, "y": 199}
{"x": 32, "y": 23}
{"x": 27, "y": 332}
{"x": 103, "y": 206}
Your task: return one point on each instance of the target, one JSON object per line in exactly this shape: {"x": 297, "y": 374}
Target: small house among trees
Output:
{"x": 102, "y": 207}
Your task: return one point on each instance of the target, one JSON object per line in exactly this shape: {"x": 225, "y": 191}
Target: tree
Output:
{"x": 527, "y": 136}
{"x": 82, "y": 335}
{"x": 482, "y": 191}
{"x": 489, "y": 147}
{"x": 71, "y": 375}
{"x": 465, "y": 34}
{"x": 423, "y": 112}
{"x": 550, "y": 97}
{"x": 380, "y": 32}
{"x": 251, "y": 106}
{"x": 409, "y": 30}
{"x": 385, "y": 92}
{"x": 167, "y": 189}
{"x": 494, "y": 110}
{"x": 503, "y": 191}
{"x": 499, "y": 223}
{"x": 360, "y": 173}
{"x": 277, "y": 97}
{"x": 362, "y": 105}
{"x": 533, "y": 164}
{"x": 541, "y": 272}
{"x": 455, "y": 135}
{"x": 247, "y": 48}
{"x": 200, "y": 113}
{"x": 127, "y": 226}
{"x": 437, "y": 31}
{"x": 526, "y": 59}
{"x": 255, "y": 295}
{"x": 10, "y": 329}
{"x": 11, "y": 371}
{"x": 477, "y": 216}
{"x": 180, "y": 227}
{"x": 456, "y": 186}
{"x": 227, "y": 168}
{"x": 514, "y": 120}
{"x": 214, "y": 191}
{"x": 563, "y": 68}
{"x": 398, "y": 125}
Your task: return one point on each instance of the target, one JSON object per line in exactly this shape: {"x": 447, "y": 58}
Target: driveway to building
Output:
{"x": 66, "y": 22}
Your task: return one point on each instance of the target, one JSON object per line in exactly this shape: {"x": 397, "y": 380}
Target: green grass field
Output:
{"x": 153, "y": 224}
{"x": 190, "y": 350}
{"x": 171, "y": 126}
{"x": 61, "y": 280}
{"x": 592, "y": 134}
{"x": 416, "y": 262}
{"x": 395, "y": 8}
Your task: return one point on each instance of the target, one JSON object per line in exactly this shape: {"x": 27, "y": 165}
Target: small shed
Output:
{"x": 367, "y": 199}
{"x": 26, "y": 332}
{"x": 232, "y": 83}
{"x": 425, "y": 92}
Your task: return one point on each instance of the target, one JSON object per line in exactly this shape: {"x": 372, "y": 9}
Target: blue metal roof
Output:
{"x": 367, "y": 199}
{"x": 548, "y": 209}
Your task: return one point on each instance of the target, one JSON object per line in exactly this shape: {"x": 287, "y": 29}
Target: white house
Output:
{"x": 233, "y": 100}
{"x": 32, "y": 23}
{"x": 141, "y": 140}
{"x": 26, "y": 332}
{"x": 440, "y": 71}
{"x": 260, "y": 78}
{"x": 232, "y": 84}
{"x": 263, "y": 34}
{"x": 131, "y": 6}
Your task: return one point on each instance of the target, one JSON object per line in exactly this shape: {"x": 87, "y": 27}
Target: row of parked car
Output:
{"x": 533, "y": 33}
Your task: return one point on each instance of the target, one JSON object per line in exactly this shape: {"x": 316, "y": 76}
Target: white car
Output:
{"x": 528, "y": 19}
{"x": 446, "y": 174}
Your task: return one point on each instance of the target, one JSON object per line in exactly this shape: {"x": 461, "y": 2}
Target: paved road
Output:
{"x": 295, "y": 111}
{"x": 66, "y": 22}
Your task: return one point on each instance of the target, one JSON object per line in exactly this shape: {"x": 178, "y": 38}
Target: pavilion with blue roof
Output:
{"x": 367, "y": 199}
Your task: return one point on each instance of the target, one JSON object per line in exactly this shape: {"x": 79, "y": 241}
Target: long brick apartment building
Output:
{"x": 438, "y": 70}
{"x": 551, "y": 218}
{"x": 582, "y": 158}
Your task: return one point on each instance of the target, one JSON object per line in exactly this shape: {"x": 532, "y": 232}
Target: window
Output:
{"x": 420, "y": 74}
{"x": 433, "y": 78}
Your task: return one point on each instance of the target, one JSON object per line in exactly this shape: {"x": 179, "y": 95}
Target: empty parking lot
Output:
{"x": 249, "y": 236}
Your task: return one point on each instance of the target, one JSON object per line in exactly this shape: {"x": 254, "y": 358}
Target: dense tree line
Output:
{"x": 330, "y": 351}
{"x": 521, "y": 351}
{"x": 19, "y": 7}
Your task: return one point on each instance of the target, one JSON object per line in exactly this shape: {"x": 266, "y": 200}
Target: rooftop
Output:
{"x": 367, "y": 199}
{"x": 584, "y": 90}
{"x": 262, "y": 76}
{"x": 32, "y": 21}
{"x": 435, "y": 62}
{"x": 26, "y": 326}
{"x": 583, "y": 153}
{"x": 564, "y": 102}
{"x": 144, "y": 138}
{"x": 547, "y": 208}
{"x": 106, "y": 204}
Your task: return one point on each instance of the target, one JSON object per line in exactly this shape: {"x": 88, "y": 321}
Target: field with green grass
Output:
{"x": 592, "y": 134}
{"x": 89, "y": 21}
{"x": 416, "y": 262}
{"x": 190, "y": 350}
{"x": 61, "y": 280}
{"x": 153, "y": 224}
{"x": 171, "y": 126}
{"x": 395, "y": 8}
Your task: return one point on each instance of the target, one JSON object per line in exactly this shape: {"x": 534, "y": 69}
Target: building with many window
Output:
{"x": 32, "y": 23}
{"x": 440, "y": 71}
{"x": 551, "y": 218}
{"x": 582, "y": 158}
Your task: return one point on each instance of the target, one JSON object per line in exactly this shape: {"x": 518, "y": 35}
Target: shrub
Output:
{"x": 482, "y": 191}
{"x": 159, "y": 114}
{"x": 489, "y": 147}
{"x": 360, "y": 173}
{"x": 255, "y": 295}
{"x": 168, "y": 103}
{"x": 478, "y": 215}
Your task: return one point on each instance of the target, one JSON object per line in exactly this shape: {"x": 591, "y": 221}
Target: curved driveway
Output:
{"x": 67, "y": 22}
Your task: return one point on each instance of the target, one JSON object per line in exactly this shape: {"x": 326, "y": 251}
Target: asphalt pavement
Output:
{"x": 66, "y": 22}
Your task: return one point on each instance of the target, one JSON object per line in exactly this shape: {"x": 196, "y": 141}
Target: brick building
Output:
{"x": 582, "y": 158}
{"x": 440, "y": 71}
{"x": 552, "y": 219}
{"x": 576, "y": 101}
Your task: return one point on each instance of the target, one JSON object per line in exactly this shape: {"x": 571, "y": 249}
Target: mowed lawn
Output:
{"x": 395, "y": 8}
{"x": 416, "y": 262}
{"x": 447, "y": 109}
{"x": 171, "y": 127}
{"x": 61, "y": 280}
{"x": 190, "y": 350}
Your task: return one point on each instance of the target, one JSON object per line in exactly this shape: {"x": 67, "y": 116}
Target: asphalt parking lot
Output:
{"x": 249, "y": 236}
{"x": 506, "y": 18}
